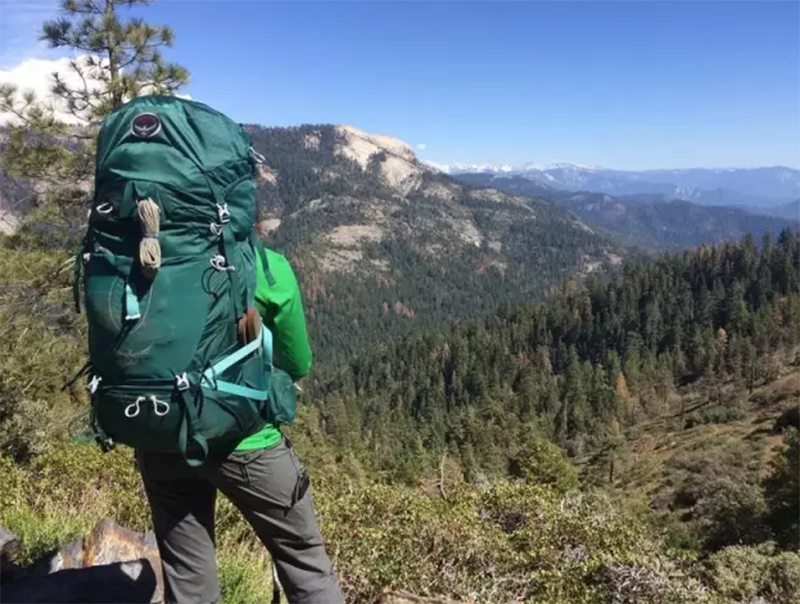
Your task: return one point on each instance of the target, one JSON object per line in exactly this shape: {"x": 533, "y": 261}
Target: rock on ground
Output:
{"x": 8, "y": 541}
{"x": 111, "y": 564}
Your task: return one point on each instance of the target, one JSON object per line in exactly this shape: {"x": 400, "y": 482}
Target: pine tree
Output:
{"x": 52, "y": 141}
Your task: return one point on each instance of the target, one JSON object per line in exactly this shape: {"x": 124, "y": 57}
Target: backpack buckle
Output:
{"x": 223, "y": 213}
{"x": 94, "y": 384}
{"x": 106, "y": 444}
{"x": 182, "y": 382}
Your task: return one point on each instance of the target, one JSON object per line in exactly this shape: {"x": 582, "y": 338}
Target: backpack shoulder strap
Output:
{"x": 259, "y": 247}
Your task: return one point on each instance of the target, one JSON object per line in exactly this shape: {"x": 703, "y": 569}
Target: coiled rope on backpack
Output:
{"x": 149, "y": 246}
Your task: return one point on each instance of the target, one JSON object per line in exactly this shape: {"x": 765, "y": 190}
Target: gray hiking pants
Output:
{"x": 271, "y": 490}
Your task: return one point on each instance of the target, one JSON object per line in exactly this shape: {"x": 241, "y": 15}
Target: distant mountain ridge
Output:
{"x": 651, "y": 221}
{"x": 753, "y": 187}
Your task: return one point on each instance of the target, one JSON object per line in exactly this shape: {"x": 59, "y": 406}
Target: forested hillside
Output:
{"x": 381, "y": 243}
{"x": 673, "y": 386}
{"x": 503, "y": 513}
{"x": 579, "y": 369}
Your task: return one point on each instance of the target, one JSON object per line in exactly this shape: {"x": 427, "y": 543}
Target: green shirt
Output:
{"x": 281, "y": 309}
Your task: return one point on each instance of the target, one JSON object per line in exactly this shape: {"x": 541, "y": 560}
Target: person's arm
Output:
{"x": 281, "y": 309}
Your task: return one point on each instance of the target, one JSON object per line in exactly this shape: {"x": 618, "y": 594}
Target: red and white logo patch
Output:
{"x": 146, "y": 125}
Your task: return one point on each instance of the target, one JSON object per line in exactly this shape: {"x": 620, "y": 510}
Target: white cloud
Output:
{"x": 37, "y": 75}
{"x": 422, "y": 146}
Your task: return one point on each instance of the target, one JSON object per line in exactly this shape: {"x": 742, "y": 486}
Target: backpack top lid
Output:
{"x": 190, "y": 152}
{"x": 206, "y": 136}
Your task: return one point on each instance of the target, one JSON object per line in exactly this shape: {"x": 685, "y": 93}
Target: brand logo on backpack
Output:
{"x": 146, "y": 125}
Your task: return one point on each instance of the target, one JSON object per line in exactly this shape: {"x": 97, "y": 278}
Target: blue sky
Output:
{"x": 617, "y": 84}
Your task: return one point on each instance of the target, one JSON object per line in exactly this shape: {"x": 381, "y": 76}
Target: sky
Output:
{"x": 627, "y": 85}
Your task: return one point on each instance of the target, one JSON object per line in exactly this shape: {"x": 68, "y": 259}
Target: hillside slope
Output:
{"x": 580, "y": 369}
{"x": 381, "y": 242}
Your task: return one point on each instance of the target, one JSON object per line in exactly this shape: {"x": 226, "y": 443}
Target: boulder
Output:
{"x": 108, "y": 543}
{"x": 123, "y": 582}
{"x": 8, "y": 541}
{"x": 111, "y": 564}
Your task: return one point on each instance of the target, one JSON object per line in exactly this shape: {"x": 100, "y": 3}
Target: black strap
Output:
{"x": 76, "y": 278}
{"x": 187, "y": 432}
{"x": 229, "y": 249}
{"x": 276, "y": 586}
{"x": 87, "y": 367}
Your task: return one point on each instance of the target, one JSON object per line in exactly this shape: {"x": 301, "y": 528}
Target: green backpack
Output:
{"x": 168, "y": 264}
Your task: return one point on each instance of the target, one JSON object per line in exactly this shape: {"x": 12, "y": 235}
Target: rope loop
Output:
{"x": 149, "y": 246}
{"x": 133, "y": 409}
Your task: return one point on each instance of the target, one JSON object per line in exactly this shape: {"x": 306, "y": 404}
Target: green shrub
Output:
{"x": 715, "y": 490}
{"x": 732, "y": 513}
{"x": 782, "y": 491}
{"x": 745, "y": 573}
{"x": 43, "y": 531}
{"x": 510, "y": 541}
{"x": 541, "y": 462}
{"x": 244, "y": 576}
{"x": 39, "y": 326}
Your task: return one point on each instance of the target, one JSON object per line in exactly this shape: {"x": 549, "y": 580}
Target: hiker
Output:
{"x": 197, "y": 339}
{"x": 262, "y": 477}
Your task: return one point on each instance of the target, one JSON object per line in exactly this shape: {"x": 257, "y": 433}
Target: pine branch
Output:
{"x": 84, "y": 7}
{"x": 8, "y": 105}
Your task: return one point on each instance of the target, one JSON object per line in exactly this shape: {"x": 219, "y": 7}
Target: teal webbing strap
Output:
{"x": 132, "y": 312}
{"x": 264, "y": 342}
{"x": 258, "y": 395}
{"x": 209, "y": 375}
